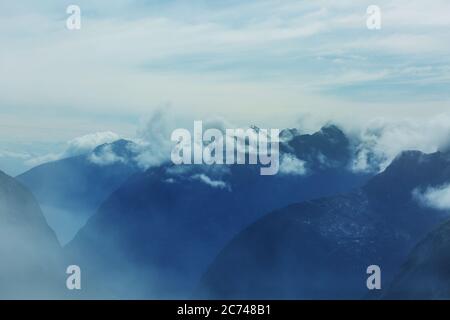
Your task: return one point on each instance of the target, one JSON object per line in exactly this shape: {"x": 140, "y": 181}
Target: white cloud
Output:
{"x": 89, "y": 142}
{"x": 437, "y": 198}
{"x": 50, "y": 157}
{"x": 212, "y": 183}
{"x": 147, "y": 53}
{"x": 153, "y": 145}
{"x": 77, "y": 146}
{"x": 12, "y": 154}
{"x": 211, "y": 58}
{"x": 291, "y": 165}
{"x": 382, "y": 140}
{"x": 217, "y": 171}
{"x": 105, "y": 156}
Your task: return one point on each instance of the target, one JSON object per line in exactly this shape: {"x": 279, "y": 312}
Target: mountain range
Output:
{"x": 225, "y": 231}
{"x": 70, "y": 190}
{"x": 156, "y": 235}
{"x": 320, "y": 249}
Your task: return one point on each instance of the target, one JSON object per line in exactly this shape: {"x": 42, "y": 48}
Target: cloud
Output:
{"x": 77, "y": 146}
{"x": 215, "y": 57}
{"x": 436, "y": 198}
{"x": 50, "y": 157}
{"x": 291, "y": 165}
{"x": 375, "y": 144}
{"x": 12, "y": 154}
{"x": 153, "y": 145}
{"x": 12, "y": 162}
{"x": 212, "y": 183}
{"x": 89, "y": 142}
{"x": 216, "y": 171}
{"x": 153, "y": 142}
{"x": 382, "y": 140}
{"x": 106, "y": 156}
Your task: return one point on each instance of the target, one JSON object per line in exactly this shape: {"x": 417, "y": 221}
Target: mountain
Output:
{"x": 70, "y": 190}
{"x": 30, "y": 254}
{"x": 320, "y": 249}
{"x": 425, "y": 274}
{"x": 326, "y": 148}
{"x": 155, "y": 236}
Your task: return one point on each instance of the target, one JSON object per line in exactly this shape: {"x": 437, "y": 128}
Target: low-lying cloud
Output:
{"x": 375, "y": 145}
{"x": 153, "y": 144}
{"x": 382, "y": 140}
{"x": 210, "y": 182}
{"x": 291, "y": 165}
{"x": 106, "y": 156}
{"x": 77, "y": 146}
{"x": 89, "y": 142}
{"x": 434, "y": 197}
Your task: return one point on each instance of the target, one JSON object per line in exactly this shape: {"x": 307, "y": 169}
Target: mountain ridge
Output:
{"x": 170, "y": 214}
{"x": 71, "y": 189}
{"x": 352, "y": 231}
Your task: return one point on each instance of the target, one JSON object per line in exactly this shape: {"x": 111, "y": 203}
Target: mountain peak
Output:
{"x": 327, "y": 148}
{"x": 412, "y": 159}
{"x": 408, "y": 171}
{"x": 331, "y": 130}
{"x": 119, "y": 147}
{"x": 118, "y": 151}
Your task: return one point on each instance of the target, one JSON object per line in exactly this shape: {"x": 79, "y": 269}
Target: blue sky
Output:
{"x": 269, "y": 62}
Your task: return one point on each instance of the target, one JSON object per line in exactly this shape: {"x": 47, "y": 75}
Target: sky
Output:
{"x": 272, "y": 63}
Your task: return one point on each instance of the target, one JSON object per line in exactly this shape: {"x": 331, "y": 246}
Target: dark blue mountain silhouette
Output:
{"x": 158, "y": 232}
{"x": 30, "y": 265}
{"x": 321, "y": 249}
{"x": 326, "y": 148}
{"x": 70, "y": 190}
{"x": 426, "y": 273}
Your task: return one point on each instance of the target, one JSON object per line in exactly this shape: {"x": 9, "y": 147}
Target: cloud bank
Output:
{"x": 210, "y": 182}
{"x": 218, "y": 58}
{"x": 106, "y": 156}
{"x": 382, "y": 140}
{"x": 434, "y": 197}
{"x": 291, "y": 165}
{"x": 75, "y": 147}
